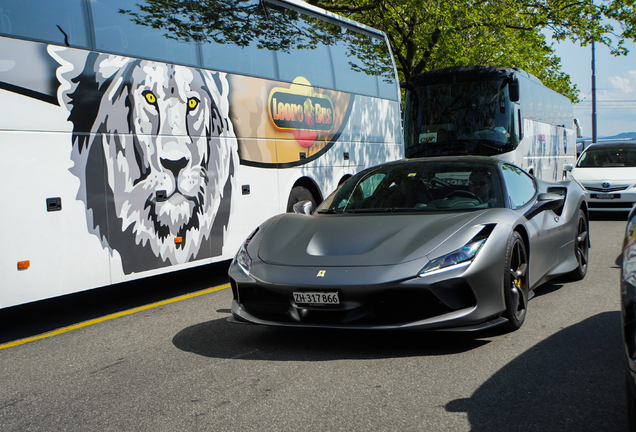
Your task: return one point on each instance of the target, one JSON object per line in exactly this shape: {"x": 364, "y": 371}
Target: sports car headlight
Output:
{"x": 243, "y": 258}
{"x": 464, "y": 254}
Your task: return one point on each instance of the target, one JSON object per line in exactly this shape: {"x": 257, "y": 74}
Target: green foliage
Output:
{"x": 425, "y": 35}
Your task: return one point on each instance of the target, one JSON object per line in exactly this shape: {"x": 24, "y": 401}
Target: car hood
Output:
{"x": 360, "y": 240}
{"x": 608, "y": 174}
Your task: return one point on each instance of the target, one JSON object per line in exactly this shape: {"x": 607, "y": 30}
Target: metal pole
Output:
{"x": 593, "y": 95}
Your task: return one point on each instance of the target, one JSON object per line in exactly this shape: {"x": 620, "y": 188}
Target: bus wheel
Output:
{"x": 298, "y": 194}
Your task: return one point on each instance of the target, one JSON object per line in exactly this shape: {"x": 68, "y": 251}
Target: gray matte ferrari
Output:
{"x": 433, "y": 244}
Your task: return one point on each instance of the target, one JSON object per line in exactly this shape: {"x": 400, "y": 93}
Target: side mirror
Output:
{"x": 568, "y": 167}
{"x": 545, "y": 201}
{"x": 303, "y": 207}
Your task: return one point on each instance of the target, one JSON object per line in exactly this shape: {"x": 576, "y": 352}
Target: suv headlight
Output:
{"x": 464, "y": 254}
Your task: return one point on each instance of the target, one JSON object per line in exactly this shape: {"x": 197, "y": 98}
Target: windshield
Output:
{"x": 470, "y": 117}
{"x": 422, "y": 186}
{"x": 608, "y": 156}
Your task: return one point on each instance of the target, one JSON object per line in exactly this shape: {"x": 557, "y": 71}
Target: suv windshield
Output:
{"x": 423, "y": 186}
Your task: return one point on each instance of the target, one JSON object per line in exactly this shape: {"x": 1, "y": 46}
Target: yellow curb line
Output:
{"x": 112, "y": 316}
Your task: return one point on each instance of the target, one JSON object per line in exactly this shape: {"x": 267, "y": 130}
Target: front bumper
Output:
{"x": 621, "y": 201}
{"x": 459, "y": 299}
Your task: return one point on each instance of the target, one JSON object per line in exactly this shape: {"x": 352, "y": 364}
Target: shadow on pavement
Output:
{"x": 221, "y": 339}
{"x": 573, "y": 381}
{"x": 32, "y": 319}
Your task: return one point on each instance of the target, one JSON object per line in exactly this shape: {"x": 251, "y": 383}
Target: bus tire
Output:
{"x": 298, "y": 194}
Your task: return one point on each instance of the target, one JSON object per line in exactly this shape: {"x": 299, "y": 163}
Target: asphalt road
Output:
{"x": 182, "y": 367}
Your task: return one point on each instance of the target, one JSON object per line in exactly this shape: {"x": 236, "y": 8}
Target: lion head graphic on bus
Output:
{"x": 162, "y": 137}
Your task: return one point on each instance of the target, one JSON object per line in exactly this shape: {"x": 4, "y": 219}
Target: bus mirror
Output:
{"x": 579, "y": 129}
{"x": 513, "y": 90}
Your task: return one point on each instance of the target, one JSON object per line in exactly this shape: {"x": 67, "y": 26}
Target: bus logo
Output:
{"x": 292, "y": 111}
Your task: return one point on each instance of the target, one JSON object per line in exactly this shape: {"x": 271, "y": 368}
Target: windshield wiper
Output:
{"x": 386, "y": 210}
{"x": 329, "y": 211}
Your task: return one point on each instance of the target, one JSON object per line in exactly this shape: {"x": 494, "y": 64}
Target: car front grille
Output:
{"x": 261, "y": 302}
{"x": 606, "y": 190}
{"x": 406, "y": 306}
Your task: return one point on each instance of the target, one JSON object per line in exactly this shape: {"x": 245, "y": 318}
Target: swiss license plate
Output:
{"x": 606, "y": 196}
{"x": 316, "y": 298}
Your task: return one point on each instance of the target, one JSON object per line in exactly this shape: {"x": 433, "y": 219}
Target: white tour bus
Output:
{"x": 140, "y": 137}
{"x": 482, "y": 110}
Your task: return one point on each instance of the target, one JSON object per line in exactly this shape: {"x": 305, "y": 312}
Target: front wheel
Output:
{"x": 515, "y": 282}
{"x": 581, "y": 249}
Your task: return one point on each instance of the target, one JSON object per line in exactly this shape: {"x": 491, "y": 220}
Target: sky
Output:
{"x": 615, "y": 86}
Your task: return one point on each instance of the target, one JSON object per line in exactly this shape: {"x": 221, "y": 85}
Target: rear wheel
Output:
{"x": 298, "y": 194}
{"x": 516, "y": 282}
{"x": 581, "y": 249}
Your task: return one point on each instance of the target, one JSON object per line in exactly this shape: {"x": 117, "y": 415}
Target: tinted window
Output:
{"x": 362, "y": 64}
{"x": 308, "y": 56}
{"x": 349, "y": 69}
{"x": 126, "y": 27}
{"x": 519, "y": 185}
{"x": 386, "y": 77}
{"x": 237, "y": 39}
{"x": 248, "y": 60}
{"x": 59, "y": 22}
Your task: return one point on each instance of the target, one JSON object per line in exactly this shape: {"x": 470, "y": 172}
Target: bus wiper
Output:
{"x": 481, "y": 143}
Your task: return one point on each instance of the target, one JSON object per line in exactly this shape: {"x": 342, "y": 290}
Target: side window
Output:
{"x": 519, "y": 185}
{"x": 242, "y": 43}
{"x": 349, "y": 68}
{"x": 308, "y": 56}
{"x": 122, "y": 27}
{"x": 61, "y": 22}
{"x": 362, "y": 65}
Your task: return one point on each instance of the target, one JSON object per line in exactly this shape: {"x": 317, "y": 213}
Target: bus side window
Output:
{"x": 133, "y": 35}
{"x": 60, "y": 22}
{"x": 349, "y": 70}
{"x": 309, "y": 55}
{"x": 240, "y": 53}
{"x": 526, "y": 102}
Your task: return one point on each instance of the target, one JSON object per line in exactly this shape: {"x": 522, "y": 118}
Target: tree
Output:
{"x": 439, "y": 33}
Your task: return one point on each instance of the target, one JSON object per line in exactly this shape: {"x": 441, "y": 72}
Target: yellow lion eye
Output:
{"x": 150, "y": 97}
{"x": 192, "y": 103}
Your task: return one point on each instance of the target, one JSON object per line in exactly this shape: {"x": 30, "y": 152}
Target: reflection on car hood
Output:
{"x": 608, "y": 174}
{"x": 357, "y": 240}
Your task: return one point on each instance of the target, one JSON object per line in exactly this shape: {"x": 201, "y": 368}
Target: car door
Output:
{"x": 544, "y": 230}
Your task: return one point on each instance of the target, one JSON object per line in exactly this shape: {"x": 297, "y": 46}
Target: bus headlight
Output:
{"x": 464, "y": 254}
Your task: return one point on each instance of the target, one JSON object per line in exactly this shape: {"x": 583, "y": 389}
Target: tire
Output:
{"x": 298, "y": 194}
{"x": 515, "y": 283}
{"x": 630, "y": 402}
{"x": 581, "y": 249}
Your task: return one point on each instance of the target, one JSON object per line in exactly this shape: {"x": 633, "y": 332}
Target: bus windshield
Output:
{"x": 461, "y": 117}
